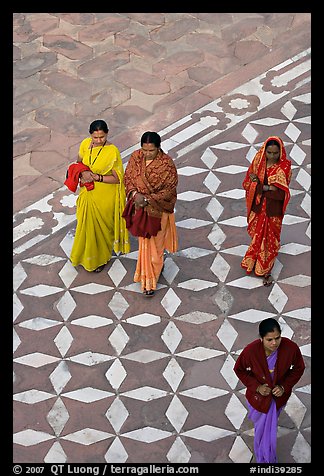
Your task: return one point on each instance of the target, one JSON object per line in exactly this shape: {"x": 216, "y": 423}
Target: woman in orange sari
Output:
{"x": 267, "y": 194}
{"x": 151, "y": 181}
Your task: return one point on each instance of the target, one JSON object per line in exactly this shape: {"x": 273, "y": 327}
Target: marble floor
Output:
{"x": 102, "y": 374}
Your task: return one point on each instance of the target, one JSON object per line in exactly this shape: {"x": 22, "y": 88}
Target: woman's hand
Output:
{"x": 86, "y": 176}
{"x": 254, "y": 177}
{"x": 264, "y": 390}
{"x": 140, "y": 200}
{"x": 278, "y": 391}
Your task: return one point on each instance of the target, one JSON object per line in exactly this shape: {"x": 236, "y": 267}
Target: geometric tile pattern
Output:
{"x": 118, "y": 379}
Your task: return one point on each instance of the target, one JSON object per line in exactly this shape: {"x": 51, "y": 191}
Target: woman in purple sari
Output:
{"x": 269, "y": 367}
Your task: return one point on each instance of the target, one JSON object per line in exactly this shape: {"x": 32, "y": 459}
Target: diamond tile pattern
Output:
{"x": 96, "y": 364}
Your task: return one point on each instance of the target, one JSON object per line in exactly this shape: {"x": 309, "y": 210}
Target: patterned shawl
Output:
{"x": 278, "y": 175}
{"x": 157, "y": 181}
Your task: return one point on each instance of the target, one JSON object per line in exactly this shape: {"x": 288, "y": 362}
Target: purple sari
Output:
{"x": 265, "y": 425}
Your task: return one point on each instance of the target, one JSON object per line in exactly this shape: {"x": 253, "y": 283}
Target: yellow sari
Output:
{"x": 100, "y": 227}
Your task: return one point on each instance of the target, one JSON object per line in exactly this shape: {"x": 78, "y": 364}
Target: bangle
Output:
{"x": 283, "y": 390}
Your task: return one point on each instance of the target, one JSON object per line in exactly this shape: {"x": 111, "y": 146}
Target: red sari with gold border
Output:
{"x": 265, "y": 230}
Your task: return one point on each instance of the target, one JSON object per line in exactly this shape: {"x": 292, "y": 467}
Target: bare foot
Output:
{"x": 267, "y": 280}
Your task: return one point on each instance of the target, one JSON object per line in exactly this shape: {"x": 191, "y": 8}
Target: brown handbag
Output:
{"x": 139, "y": 222}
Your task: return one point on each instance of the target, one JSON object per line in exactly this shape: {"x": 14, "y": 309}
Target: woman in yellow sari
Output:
{"x": 100, "y": 227}
{"x": 151, "y": 181}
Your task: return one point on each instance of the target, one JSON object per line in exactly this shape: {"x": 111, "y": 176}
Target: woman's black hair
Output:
{"x": 151, "y": 138}
{"x": 273, "y": 142}
{"x": 98, "y": 125}
{"x": 268, "y": 325}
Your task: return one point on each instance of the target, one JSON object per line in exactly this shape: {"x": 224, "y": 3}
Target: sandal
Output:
{"x": 100, "y": 268}
{"x": 267, "y": 280}
{"x": 148, "y": 293}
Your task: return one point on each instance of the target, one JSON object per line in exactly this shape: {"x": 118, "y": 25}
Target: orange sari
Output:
{"x": 157, "y": 180}
{"x": 263, "y": 229}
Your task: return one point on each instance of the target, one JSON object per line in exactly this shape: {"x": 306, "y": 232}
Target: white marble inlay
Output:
{"x": 303, "y": 314}
{"x": 68, "y": 274}
{"x": 232, "y": 169}
{"x": 204, "y": 392}
{"x": 56, "y": 454}
{"x": 240, "y": 452}
{"x": 297, "y": 154}
{"x": 301, "y": 450}
{"x": 306, "y": 350}
{"x": 229, "y": 146}
{"x": 178, "y": 453}
{"x": 173, "y": 374}
{"x": 194, "y": 252}
{"x": 92, "y": 321}
{"x": 31, "y": 437}
{"x": 177, "y": 413}
{"x": 27, "y": 226}
{"x": 171, "y": 336}
{"x": 207, "y": 433}
{"x": 197, "y": 317}
{"x": 234, "y": 194}
{"x": 209, "y": 158}
{"x": 294, "y": 249}
{"x": 239, "y": 221}
{"x": 299, "y": 280}
{"x": 41, "y": 290}
{"x": 235, "y": 411}
{"x": 66, "y": 305}
{"x": 17, "y": 307}
{"x": 119, "y": 339}
{"x": 288, "y": 110}
{"x": 304, "y": 179}
{"x": 170, "y": 302}
{"x": 63, "y": 340}
{"x": 90, "y": 358}
{"x": 190, "y": 196}
{"x": 249, "y": 133}
{"x": 117, "y": 414}
{"x": 147, "y": 434}
{"x": 216, "y": 236}
{"x": 144, "y": 320}
{"x": 247, "y": 282}
{"x": 170, "y": 270}
{"x": 145, "y": 394}
{"x": 236, "y": 250}
{"x": 15, "y": 341}
{"x": 215, "y": 208}
{"x": 32, "y": 396}
{"x": 116, "y": 374}
{"x": 92, "y": 288}
{"x": 116, "y": 452}
{"x": 36, "y": 359}
{"x": 117, "y": 272}
{"x": 252, "y": 315}
{"x": 306, "y": 204}
{"x": 87, "y": 436}
{"x": 39, "y": 323}
{"x": 118, "y": 305}
{"x": 87, "y": 394}
{"x": 292, "y": 220}
{"x": 60, "y": 376}
{"x": 43, "y": 259}
{"x": 192, "y": 223}
{"x": 277, "y": 298}
{"x": 227, "y": 334}
{"x": 145, "y": 356}
{"x": 196, "y": 284}
{"x": 188, "y": 171}
{"x": 295, "y": 409}
{"x": 58, "y": 416}
{"x": 228, "y": 373}
{"x": 220, "y": 268}
{"x": 19, "y": 276}
{"x": 200, "y": 353}
{"x": 211, "y": 182}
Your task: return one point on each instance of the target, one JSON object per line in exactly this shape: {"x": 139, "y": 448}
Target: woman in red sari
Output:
{"x": 151, "y": 181}
{"x": 267, "y": 194}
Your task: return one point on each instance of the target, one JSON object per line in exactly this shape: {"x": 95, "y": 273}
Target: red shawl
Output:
{"x": 157, "y": 181}
{"x": 279, "y": 175}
